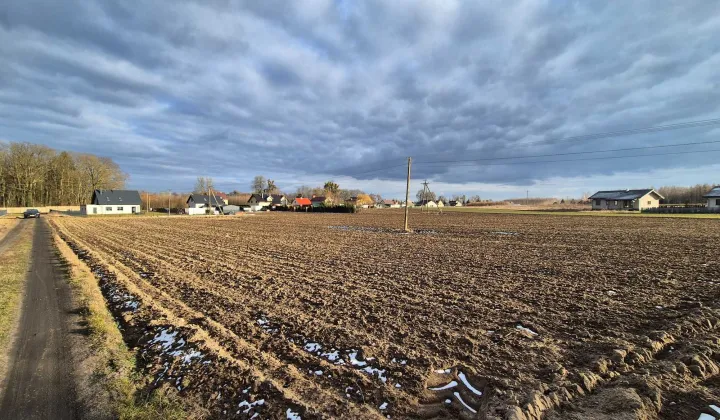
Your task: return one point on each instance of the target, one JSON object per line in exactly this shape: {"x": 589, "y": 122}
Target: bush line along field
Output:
{"x": 501, "y": 316}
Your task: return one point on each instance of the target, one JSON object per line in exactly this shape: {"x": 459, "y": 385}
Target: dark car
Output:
{"x": 31, "y": 213}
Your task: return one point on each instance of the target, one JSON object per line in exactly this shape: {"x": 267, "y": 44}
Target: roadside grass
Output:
{"x": 578, "y": 213}
{"x": 15, "y": 263}
{"x": 112, "y": 387}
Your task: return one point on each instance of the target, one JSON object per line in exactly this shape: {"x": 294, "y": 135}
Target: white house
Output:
{"x": 200, "y": 201}
{"x": 426, "y": 203}
{"x": 113, "y": 202}
{"x": 455, "y": 203}
{"x": 258, "y": 201}
{"x": 626, "y": 199}
{"x": 713, "y": 198}
{"x": 388, "y": 204}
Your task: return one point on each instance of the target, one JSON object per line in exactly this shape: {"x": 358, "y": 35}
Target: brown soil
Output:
{"x": 506, "y": 316}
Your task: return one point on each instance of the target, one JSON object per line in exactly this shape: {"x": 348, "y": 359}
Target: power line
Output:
{"x": 572, "y": 153}
{"x": 620, "y": 133}
{"x": 586, "y": 159}
{"x": 593, "y": 136}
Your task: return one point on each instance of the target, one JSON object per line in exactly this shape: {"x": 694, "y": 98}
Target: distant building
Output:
{"x": 201, "y": 201}
{"x": 388, "y": 204}
{"x": 455, "y": 203}
{"x": 626, "y": 199}
{"x": 301, "y": 202}
{"x": 320, "y": 201}
{"x": 222, "y": 196}
{"x": 426, "y": 203}
{"x": 257, "y": 201}
{"x": 713, "y": 198}
{"x": 113, "y": 202}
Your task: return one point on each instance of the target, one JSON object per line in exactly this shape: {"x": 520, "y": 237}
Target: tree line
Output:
{"x": 684, "y": 195}
{"x": 36, "y": 175}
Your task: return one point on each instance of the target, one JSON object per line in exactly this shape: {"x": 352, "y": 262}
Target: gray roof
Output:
{"x": 714, "y": 193}
{"x": 203, "y": 198}
{"x": 270, "y": 198}
{"x": 622, "y": 194}
{"x": 116, "y": 197}
{"x": 320, "y": 199}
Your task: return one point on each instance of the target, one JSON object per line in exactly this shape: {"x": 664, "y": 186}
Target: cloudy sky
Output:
{"x": 305, "y": 91}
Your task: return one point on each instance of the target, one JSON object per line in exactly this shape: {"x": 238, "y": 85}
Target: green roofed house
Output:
{"x": 626, "y": 199}
{"x": 113, "y": 202}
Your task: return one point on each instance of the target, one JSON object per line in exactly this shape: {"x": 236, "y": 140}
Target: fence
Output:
{"x": 683, "y": 210}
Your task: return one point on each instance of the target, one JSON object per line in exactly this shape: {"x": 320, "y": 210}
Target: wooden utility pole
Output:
{"x": 168, "y": 203}
{"x": 407, "y": 195}
{"x": 147, "y": 202}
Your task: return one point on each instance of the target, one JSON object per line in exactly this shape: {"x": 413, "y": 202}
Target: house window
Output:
{"x": 108, "y": 208}
{"x": 615, "y": 203}
{"x": 717, "y": 202}
{"x": 649, "y": 202}
{"x": 597, "y": 202}
{"x": 120, "y": 209}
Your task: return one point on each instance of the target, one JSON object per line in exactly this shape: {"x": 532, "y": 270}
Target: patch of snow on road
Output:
{"x": 444, "y": 371}
{"x": 383, "y": 406}
{"x": 292, "y": 415}
{"x": 380, "y": 373}
{"x": 354, "y": 360}
{"x": 467, "y": 384}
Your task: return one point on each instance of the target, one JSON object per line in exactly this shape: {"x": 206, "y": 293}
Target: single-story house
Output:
{"x": 455, "y": 203}
{"x": 388, "y": 204}
{"x": 301, "y": 202}
{"x": 426, "y": 203}
{"x": 320, "y": 201}
{"x": 113, "y": 202}
{"x": 258, "y": 201}
{"x": 626, "y": 199}
{"x": 200, "y": 201}
{"x": 713, "y": 198}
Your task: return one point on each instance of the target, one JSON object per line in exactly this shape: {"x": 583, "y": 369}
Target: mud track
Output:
{"x": 485, "y": 316}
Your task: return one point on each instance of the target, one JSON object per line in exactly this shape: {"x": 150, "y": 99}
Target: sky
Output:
{"x": 306, "y": 91}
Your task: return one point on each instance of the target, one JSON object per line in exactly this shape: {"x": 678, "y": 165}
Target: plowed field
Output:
{"x": 472, "y": 316}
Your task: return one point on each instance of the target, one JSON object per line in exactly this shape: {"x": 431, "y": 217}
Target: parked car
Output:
{"x": 31, "y": 213}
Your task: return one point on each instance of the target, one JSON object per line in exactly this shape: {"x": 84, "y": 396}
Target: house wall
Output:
{"x": 648, "y": 201}
{"x": 97, "y": 210}
{"x": 713, "y": 203}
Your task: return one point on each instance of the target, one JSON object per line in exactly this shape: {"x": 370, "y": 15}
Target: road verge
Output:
{"x": 15, "y": 261}
{"x": 109, "y": 385}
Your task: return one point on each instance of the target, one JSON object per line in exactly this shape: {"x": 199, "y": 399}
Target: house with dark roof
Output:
{"x": 258, "y": 201}
{"x": 320, "y": 201}
{"x": 713, "y": 198}
{"x": 626, "y": 199}
{"x": 426, "y": 203}
{"x": 200, "y": 201}
{"x": 113, "y": 202}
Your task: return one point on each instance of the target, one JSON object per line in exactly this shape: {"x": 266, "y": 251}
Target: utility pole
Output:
{"x": 147, "y": 202}
{"x": 168, "y": 203}
{"x": 407, "y": 195}
{"x": 527, "y": 197}
{"x": 425, "y": 195}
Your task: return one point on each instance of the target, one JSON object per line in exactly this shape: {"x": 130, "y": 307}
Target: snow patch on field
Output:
{"x": 292, "y": 415}
{"x": 468, "y": 385}
{"x": 450, "y": 385}
{"x": 525, "y": 329}
{"x": 459, "y": 398}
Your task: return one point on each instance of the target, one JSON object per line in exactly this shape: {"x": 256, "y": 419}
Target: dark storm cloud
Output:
{"x": 323, "y": 88}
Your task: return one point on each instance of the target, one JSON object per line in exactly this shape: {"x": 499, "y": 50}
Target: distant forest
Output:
{"x": 36, "y": 175}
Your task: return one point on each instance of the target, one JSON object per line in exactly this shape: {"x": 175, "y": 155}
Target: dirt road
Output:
{"x": 40, "y": 379}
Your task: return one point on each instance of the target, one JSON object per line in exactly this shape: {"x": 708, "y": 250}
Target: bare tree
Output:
{"x": 203, "y": 184}
{"x": 258, "y": 184}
